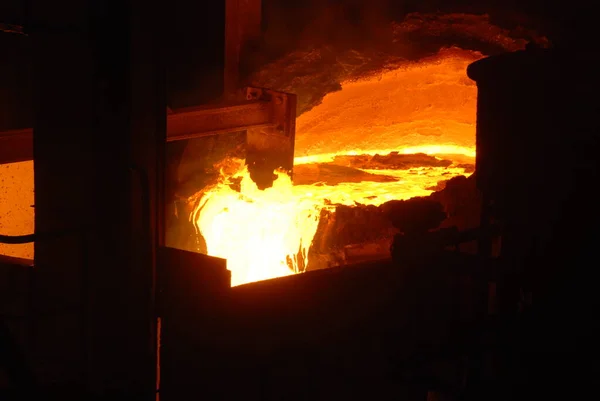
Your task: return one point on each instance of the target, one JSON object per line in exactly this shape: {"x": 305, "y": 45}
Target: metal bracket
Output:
{"x": 283, "y": 108}
{"x": 257, "y": 108}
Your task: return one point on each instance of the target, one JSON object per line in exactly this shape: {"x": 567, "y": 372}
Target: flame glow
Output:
{"x": 427, "y": 107}
{"x": 262, "y": 234}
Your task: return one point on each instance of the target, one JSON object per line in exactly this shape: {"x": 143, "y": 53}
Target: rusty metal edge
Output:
{"x": 193, "y": 135}
{"x": 209, "y": 120}
{"x": 218, "y": 108}
{"x": 17, "y": 145}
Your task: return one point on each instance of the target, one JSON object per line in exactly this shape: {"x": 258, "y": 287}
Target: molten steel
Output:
{"x": 262, "y": 234}
{"x": 427, "y": 107}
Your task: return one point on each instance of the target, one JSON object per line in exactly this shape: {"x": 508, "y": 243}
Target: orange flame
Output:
{"x": 262, "y": 234}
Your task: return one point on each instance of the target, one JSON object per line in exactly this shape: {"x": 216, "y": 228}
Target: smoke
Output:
{"x": 290, "y": 25}
{"x": 297, "y": 22}
{"x": 329, "y": 21}
{"x": 306, "y": 24}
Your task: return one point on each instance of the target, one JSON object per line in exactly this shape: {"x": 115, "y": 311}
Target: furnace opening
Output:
{"x": 376, "y": 125}
{"x": 394, "y": 135}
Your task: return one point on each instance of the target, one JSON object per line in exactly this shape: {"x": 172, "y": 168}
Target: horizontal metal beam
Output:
{"x": 202, "y": 121}
{"x": 17, "y": 145}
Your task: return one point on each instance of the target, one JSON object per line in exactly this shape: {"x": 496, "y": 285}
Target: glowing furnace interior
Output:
{"x": 393, "y": 135}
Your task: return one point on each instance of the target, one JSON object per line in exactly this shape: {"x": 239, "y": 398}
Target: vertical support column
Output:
{"x": 148, "y": 153}
{"x": 99, "y": 128}
{"x": 69, "y": 192}
{"x": 242, "y": 25}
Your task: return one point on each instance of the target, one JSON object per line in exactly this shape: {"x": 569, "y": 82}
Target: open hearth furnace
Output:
{"x": 339, "y": 221}
{"x": 376, "y": 125}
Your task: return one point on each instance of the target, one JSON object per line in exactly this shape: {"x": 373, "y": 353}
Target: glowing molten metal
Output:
{"x": 426, "y": 107}
{"x": 262, "y": 234}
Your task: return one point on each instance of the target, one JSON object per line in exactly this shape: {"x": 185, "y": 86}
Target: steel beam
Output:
{"x": 263, "y": 109}
{"x": 202, "y": 121}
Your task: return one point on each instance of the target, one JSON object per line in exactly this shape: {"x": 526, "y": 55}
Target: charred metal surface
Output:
{"x": 266, "y": 152}
{"x": 192, "y": 291}
{"x": 537, "y": 155}
{"x": 543, "y": 127}
{"x": 271, "y": 148}
{"x": 283, "y": 108}
{"x": 320, "y": 328}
